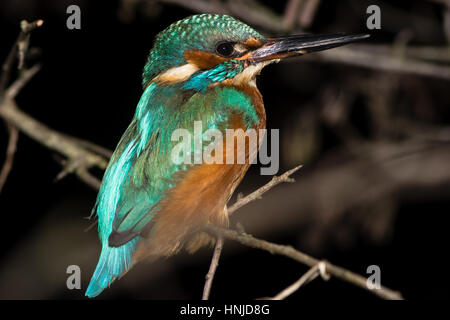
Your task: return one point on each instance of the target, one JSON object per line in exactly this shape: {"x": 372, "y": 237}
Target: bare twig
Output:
{"x": 10, "y": 152}
{"x": 54, "y": 140}
{"x": 82, "y": 155}
{"x": 212, "y": 268}
{"x": 303, "y": 258}
{"x": 105, "y": 152}
{"x": 49, "y": 137}
{"x": 19, "y": 45}
{"x": 285, "y": 177}
{"x": 310, "y": 275}
{"x": 17, "y": 85}
{"x": 85, "y": 176}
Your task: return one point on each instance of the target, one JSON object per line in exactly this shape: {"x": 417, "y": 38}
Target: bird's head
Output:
{"x": 208, "y": 49}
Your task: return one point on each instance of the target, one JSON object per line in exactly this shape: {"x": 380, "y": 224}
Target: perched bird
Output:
{"x": 201, "y": 68}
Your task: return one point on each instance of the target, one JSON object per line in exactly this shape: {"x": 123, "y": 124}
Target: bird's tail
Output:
{"x": 113, "y": 262}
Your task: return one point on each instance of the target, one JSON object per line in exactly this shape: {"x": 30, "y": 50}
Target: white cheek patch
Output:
{"x": 177, "y": 74}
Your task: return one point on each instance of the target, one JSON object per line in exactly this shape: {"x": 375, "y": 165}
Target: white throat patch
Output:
{"x": 249, "y": 74}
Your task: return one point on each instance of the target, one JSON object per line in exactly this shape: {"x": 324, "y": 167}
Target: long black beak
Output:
{"x": 278, "y": 48}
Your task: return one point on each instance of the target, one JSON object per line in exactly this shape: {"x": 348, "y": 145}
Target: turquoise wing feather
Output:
{"x": 121, "y": 192}
{"x": 141, "y": 170}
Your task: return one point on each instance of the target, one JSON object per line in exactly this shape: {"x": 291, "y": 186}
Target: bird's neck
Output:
{"x": 251, "y": 90}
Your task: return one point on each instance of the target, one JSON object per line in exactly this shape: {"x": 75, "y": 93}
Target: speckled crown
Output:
{"x": 200, "y": 32}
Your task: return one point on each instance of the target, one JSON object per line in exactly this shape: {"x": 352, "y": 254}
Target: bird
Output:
{"x": 200, "y": 69}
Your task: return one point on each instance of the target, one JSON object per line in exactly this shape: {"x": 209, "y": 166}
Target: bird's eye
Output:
{"x": 225, "y": 49}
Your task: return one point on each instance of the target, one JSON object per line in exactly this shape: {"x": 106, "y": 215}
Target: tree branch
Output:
{"x": 19, "y": 47}
{"x": 285, "y": 177}
{"x": 212, "y": 268}
{"x": 310, "y": 275}
{"x": 50, "y": 138}
{"x": 17, "y": 85}
{"x": 81, "y": 155}
{"x": 290, "y": 252}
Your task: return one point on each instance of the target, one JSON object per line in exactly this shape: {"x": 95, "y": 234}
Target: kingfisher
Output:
{"x": 201, "y": 69}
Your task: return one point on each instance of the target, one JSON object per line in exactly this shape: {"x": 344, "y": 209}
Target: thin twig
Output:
{"x": 310, "y": 275}
{"x": 212, "y": 268}
{"x": 84, "y": 175}
{"x": 13, "y": 132}
{"x": 79, "y": 158}
{"x": 10, "y": 152}
{"x": 285, "y": 177}
{"x": 290, "y": 252}
{"x": 105, "y": 152}
{"x": 26, "y": 28}
{"x": 17, "y": 85}
{"x": 82, "y": 155}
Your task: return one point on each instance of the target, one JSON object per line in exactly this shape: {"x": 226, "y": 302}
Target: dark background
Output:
{"x": 342, "y": 208}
